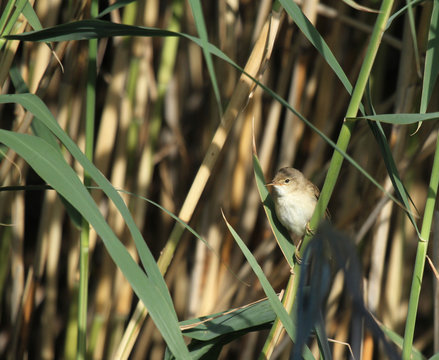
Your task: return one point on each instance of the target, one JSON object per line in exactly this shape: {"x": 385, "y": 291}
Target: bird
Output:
{"x": 295, "y": 198}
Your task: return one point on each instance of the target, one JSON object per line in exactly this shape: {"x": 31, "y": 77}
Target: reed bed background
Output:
{"x": 157, "y": 109}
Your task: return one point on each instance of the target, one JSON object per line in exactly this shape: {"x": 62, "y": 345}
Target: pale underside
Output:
{"x": 294, "y": 210}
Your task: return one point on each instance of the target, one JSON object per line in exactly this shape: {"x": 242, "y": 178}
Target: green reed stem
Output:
{"x": 85, "y": 231}
{"x": 420, "y": 257}
{"x": 277, "y": 328}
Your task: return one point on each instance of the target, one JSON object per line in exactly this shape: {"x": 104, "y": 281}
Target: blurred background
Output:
{"x": 156, "y": 116}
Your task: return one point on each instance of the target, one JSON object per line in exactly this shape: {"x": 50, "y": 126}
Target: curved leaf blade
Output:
{"x": 51, "y": 166}
{"x": 400, "y": 119}
{"x": 35, "y": 105}
{"x": 287, "y": 320}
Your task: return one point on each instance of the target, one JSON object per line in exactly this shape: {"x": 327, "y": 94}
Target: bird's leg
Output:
{"x": 308, "y": 229}
{"x": 296, "y": 253}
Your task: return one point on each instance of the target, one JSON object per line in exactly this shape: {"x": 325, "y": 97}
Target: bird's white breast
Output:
{"x": 294, "y": 210}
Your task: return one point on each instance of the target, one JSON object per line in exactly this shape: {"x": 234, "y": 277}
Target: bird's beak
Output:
{"x": 270, "y": 184}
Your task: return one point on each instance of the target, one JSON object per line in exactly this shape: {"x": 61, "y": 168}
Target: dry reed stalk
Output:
{"x": 221, "y": 189}
{"x": 24, "y": 120}
{"x": 263, "y": 12}
{"x": 239, "y": 180}
{"x": 8, "y": 55}
{"x": 53, "y": 236}
{"x": 378, "y": 255}
{"x": 210, "y": 280}
{"x": 242, "y": 186}
{"x": 238, "y": 100}
{"x": 48, "y": 13}
{"x": 394, "y": 311}
{"x": 145, "y": 89}
{"x": 105, "y": 145}
{"x": 238, "y": 166}
{"x": 111, "y": 110}
{"x": 341, "y": 334}
{"x": 17, "y": 255}
{"x": 195, "y": 284}
{"x": 120, "y": 290}
{"x": 242, "y": 167}
{"x": 19, "y": 314}
{"x": 324, "y": 117}
{"x": 246, "y": 209}
{"x": 229, "y": 28}
{"x": 332, "y": 303}
{"x": 178, "y": 279}
{"x": 293, "y": 128}
{"x": 21, "y": 328}
{"x": 269, "y": 133}
{"x": 230, "y": 184}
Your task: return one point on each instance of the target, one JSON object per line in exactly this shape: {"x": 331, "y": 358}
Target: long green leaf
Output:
{"x": 398, "y": 340}
{"x": 212, "y": 326}
{"x": 277, "y": 306}
{"x": 31, "y": 16}
{"x": 90, "y": 29}
{"x": 34, "y": 104}
{"x": 401, "y": 11}
{"x": 43, "y": 132}
{"x": 8, "y": 20}
{"x": 52, "y": 167}
{"x": 400, "y": 119}
{"x": 389, "y": 161}
{"x": 5, "y": 15}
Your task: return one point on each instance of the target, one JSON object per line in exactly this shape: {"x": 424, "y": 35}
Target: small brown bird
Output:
{"x": 295, "y": 198}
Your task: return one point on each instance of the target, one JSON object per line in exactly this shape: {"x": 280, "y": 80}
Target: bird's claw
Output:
{"x": 296, "y": 252}
{"x": 308, "y": 230}
{"x": 297, "y": 256}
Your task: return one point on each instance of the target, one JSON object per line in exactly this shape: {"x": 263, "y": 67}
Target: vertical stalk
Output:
{"x": 420, "y": 257}
{"x": 277, "y": 328}
{"x": 85, "y": 231}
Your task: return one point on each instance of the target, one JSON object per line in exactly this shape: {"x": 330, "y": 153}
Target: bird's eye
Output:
{"x": 287, "y": 181}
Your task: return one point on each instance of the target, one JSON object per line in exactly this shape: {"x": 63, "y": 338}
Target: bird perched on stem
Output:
{"x": 295, "y": 198}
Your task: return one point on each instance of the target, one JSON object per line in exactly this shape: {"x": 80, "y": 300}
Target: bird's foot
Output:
{"x": 297, "y": 256}
{"x": 308, "y": 230}
{"x": 297, "y": 253}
